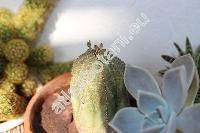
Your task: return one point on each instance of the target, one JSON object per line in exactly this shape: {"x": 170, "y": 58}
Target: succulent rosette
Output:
{"x": 166, "y": 109}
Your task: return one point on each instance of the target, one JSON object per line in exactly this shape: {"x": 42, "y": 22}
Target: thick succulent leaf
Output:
{"x": 192, "y": 80}
{"x": 173, "y": 90}
{"x": 188, "y": 47}
{"x": 154, "y": 116}
{"x": 171, "y": 125}
{"x": 188, "y": 62}
{"x": 168, "y": 58}
{"x": 127, "y": 120}
{"x": 153, "y": 129}
{"x": 164, "y": 113}
{"x": 189, "y": 121}
{"x": 136, "y": 78}
{"x": 148, "y": 102}
{"x": 193, "y": 90}
{"x": 180, "y": 51}
{"x": 148, "y": 123}
{"x": 152, "y": 123}
{"x": 197, "y": 58}
{"x": 197, "y": 51}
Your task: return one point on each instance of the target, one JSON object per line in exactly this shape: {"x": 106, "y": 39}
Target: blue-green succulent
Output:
{"x": 166, "y": 109}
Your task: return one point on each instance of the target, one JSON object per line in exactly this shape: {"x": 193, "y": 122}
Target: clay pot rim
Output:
{"x": 40, "y": 96}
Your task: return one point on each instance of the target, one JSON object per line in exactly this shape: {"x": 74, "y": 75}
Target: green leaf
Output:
{"x": 188, "y": 47}
{"x": 197, "y": 51}
{"x": 168, "y": 58}
{"x": 180, "y": 51}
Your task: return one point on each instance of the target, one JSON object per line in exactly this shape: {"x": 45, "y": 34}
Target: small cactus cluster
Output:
{"x": 16, "y": 71}
{"x": 11, "y": 106}
{"x": 188, "y": 50}
{"x": 7, "y": 29}
{"x": 47, "y": 73}
{"x": 31, "y": 17}
{"x": 16, "y": 50}
{"x": 23, "y": 65}
{"x": 27, "y": 23}
{"x": 41, "y": 55}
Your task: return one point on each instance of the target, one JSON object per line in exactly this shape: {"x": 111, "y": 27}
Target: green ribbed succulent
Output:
{"x": 7, "y": 29}
{"x": 11, "y": 105}
{"x": 181, "y": 52}
{"x": 29, "y": 87}
{"x": 96, "y": 96}
{"x": 16, "y": 72}
{"x": 7, "y": 86}
{"x": 50, "y": 71}
{"x": 31, "y": 17}
{"x": 16, "y": 50}
{"x": 41, "y": 55}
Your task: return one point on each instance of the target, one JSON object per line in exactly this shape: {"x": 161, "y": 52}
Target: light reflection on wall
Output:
{"x": 83, "y": 25}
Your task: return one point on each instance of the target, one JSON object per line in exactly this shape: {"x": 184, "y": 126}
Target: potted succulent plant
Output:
{"x": 22, "y": 63}
{"x": 161, "y": 109}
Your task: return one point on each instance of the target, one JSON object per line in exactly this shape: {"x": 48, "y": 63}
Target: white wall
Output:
{"x": 74, "y": 22}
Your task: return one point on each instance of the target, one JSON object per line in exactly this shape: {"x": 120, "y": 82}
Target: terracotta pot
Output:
{"x": 31, "y": 117}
